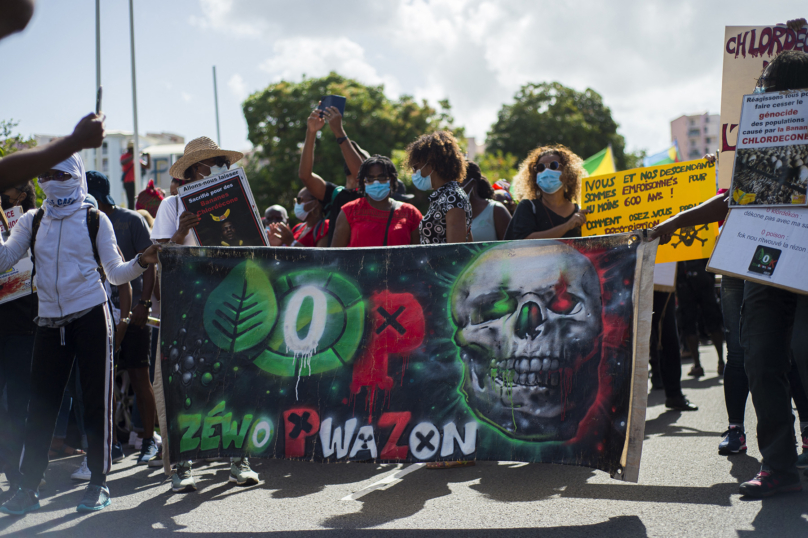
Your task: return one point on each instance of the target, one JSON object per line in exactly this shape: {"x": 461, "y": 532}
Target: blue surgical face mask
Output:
{"x": 759, "y": 89}
{"x": 378, "y": 191}
{"x": 422, "y": 183}
{"x": 549, "y": 181}
{"x": 300, "y": 213}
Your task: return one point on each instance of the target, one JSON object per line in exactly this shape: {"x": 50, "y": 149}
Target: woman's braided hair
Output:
{"x": 441, "y": 151}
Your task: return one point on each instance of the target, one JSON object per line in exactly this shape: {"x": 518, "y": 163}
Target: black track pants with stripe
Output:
{"x": 89, "y": 340}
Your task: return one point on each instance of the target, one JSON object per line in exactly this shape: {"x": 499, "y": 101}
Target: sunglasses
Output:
{"x": 58, "y": 175}
{"x": 541, "y": 167}
{"x": 380, "y": 179}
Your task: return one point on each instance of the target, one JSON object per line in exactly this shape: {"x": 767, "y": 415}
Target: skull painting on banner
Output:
{"x": 529, "y": 329}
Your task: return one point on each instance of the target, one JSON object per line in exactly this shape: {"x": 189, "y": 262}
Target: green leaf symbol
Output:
{"x": 242, "y": 310}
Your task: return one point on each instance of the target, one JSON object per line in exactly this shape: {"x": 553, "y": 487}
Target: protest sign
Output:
{"x": 226, "y": 208}
{"x": 747, "y": 51}
{"x": 525, "y": 350}
{"x": 643, "y": 197}
{"x": 15, "y": 282}
{"x": 772, "y": 151}
{"x": 665, "y": 277}
{"x": 764, "y": 245}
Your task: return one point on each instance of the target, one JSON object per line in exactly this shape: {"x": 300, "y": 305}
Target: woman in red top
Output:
{"x": 312, "y": 232}
{"x": 376, "y": 220}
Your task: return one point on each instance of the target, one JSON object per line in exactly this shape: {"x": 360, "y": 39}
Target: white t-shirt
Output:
{"x": 167, "y": 221}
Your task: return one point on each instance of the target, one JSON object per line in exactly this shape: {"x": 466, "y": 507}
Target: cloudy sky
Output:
{"x": 650, "y": 60}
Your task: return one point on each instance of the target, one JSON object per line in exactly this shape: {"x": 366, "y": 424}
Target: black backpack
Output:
{"x": 92, "y": 229}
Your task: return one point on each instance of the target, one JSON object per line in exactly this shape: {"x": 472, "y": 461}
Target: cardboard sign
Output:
{"x": 513, "y": 350}
{"x": 227, "y": 210}
{"x": 747, "y": 51}
{"x": 769, "y": 246}
{"x": 643, "y": 197}
{"x": 16, "y": 282}
{"x": 771, "y": 157}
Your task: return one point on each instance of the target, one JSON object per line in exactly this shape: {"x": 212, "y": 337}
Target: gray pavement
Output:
{"x": 685, "y": 489}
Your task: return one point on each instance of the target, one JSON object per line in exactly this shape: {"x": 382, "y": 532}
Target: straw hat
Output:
{"x": 200, "y": 149}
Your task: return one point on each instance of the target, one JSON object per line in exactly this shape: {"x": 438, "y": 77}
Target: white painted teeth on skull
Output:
{"x": 530, "y": 372}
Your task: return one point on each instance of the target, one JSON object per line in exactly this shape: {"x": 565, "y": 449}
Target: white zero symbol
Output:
{"x": 316, "y": 327}
{"x": 265, "y": 427}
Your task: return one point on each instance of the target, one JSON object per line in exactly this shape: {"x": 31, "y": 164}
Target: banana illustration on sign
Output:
{"x": 223, "y": 217}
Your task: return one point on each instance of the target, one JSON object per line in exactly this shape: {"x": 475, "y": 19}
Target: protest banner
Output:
{"x": 227, "y": 210}
{"x": 764, "y": 245}
{"x": 643, "y": 197}
{"x": 529, "y": 351}
{"x": 772, "y": 151}
{"x": 747, "y": 51}
{"x": 15, "y": 282}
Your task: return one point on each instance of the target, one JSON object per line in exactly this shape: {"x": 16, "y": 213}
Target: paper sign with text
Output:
{"x": 226, "y": 209}
{"x": 16, "y": 282}
{"x": 764, "y": 245}
{"x": 747, "y": 51}
{"x": 644, "y": 197}
{"x": 772, "y": 151}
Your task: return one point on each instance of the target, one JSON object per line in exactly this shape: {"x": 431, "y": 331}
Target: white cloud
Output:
{"x": 651, "y": 61}
{"x": 186, "y": 96}
{"x": 237, "y": 87}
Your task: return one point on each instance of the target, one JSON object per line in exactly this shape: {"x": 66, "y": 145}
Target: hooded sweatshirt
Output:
{"x": 67, "y": 278}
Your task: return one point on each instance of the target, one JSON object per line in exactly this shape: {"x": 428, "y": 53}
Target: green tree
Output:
{"x": 10, "y": 142}
{"x": 550, "y": 113}
{"x": 497, "y": 165}
{"x": 276, "y": 123}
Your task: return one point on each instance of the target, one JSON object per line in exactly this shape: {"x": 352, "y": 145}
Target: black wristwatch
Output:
{"x": 341, "y": 139}
{"x": 145, "y": 303}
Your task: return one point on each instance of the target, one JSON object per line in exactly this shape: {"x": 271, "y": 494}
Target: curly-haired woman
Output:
{"x": 376, "y": 220}
{"x": 448, "y": 219}
{"x": 547, "y": 183}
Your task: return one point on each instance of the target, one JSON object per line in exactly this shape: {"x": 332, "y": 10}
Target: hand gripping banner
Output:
{"x": 531, "y": 351}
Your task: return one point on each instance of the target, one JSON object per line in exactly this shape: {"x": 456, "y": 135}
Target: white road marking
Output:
{"x": 384, "y": 482}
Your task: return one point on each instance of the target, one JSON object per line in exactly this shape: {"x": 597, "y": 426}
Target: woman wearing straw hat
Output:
{"x": 202, "y": 158}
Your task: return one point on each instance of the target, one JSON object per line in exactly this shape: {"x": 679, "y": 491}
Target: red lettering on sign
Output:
{"x": 299, "y": 423}
{"x": 399, "y": 421}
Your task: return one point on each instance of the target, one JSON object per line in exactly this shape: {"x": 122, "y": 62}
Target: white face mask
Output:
{"x": 301, "y": 213}
{"x": 216, "y": 170}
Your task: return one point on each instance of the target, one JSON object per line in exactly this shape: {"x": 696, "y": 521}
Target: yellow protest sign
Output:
{"x": 643, "y": 197}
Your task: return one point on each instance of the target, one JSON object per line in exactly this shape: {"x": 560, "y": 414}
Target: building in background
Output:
{"x": 163, "y": 148}
{"x": 474, "y": 148}
{"x": 696, "y": 134}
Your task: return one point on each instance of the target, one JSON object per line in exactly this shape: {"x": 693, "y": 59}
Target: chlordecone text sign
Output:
{"x": 526, "y": 350}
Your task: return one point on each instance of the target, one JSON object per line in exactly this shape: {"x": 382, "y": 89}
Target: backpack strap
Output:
{"x": 34, "y": 230}
{"x": 92, "y": 228}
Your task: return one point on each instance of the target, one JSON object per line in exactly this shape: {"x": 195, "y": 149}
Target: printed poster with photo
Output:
{"x": 771, "y": 156}
{"x": 747, "y": 51}
{"x": 16, "y": 282}
{"x": 227, "y": 210}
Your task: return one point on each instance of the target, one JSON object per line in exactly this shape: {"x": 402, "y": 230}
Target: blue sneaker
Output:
{"x": 148, "y": 450}
{"x": 117, "y": 453}
{"x": 734, "y": 441}
{"x": 23, "y": 501}
{"x": 95, "y": 498}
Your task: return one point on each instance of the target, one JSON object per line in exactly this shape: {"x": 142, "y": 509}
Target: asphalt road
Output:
{"x": 685, "y": 489}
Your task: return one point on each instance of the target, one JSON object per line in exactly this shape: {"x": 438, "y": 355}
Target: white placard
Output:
{"x": 771, "y": 156}
{"x": 747, "y": 50}
{"x": 769, "y": 246}
{"x": 665, "y": 277}
{"x": 16, "y": 282}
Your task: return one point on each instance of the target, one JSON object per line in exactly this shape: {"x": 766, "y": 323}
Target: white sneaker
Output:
{"x": 158, "y": 439}
{"x": 135, "y": 441}
{"x": 82, "y": 473}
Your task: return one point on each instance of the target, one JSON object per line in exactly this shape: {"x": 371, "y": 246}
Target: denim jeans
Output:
{"x": 774, "y": 328}
{"x": 15, "y": 373}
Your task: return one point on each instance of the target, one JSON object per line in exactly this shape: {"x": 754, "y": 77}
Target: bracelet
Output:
{"x": 147, "y": 304}
{"x": 139, "y": 256}
{"x": 125, "y": 320}
{"x": 341, "y": 139}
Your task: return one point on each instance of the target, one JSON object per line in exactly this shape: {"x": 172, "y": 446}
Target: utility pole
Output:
{"x": 216, "y": 101}
{"x": 136, "y": 154}
{"x": 98, "y": 151}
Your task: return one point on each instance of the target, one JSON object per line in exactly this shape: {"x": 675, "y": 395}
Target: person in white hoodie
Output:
{"x": 74, "y": 321}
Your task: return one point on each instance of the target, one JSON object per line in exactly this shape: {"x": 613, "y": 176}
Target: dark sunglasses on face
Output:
{"x": 58, "y": 175}
{"x": 541, "y": 167}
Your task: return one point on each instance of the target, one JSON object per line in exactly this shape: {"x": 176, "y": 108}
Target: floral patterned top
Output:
{"x": 446, "y": 197}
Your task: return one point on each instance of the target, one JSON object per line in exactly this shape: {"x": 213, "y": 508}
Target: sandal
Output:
{"x": 449, "y": 464}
